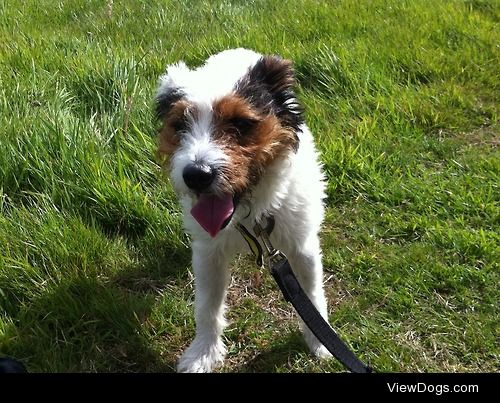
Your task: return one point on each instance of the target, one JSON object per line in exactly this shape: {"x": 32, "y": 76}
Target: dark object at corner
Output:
{"x": 11, "y": 366}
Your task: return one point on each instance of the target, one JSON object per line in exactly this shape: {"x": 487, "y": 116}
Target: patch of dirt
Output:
{"x": 484, "y": 135}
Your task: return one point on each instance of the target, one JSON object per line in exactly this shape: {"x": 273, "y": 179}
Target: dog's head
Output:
{"x": 223, "y": 124}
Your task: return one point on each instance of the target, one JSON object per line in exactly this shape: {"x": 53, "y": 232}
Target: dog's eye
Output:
{"x": 241, "y": 125}
{"x": 180, "y": 125}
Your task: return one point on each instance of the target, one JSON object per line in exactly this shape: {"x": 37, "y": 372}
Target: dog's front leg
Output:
{"x": 211, "y": 281}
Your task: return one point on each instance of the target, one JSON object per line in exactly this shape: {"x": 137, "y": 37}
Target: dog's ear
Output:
{"x": 169, "y": 91}
{"x": 275, "y": 72}
{"x": 270, "y": 82}
{"x": 165, "y": 100}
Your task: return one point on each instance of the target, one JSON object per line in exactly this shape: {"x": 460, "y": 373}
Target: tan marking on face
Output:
{"x": 168, "y": 138}
{"x": 249, "y": 153}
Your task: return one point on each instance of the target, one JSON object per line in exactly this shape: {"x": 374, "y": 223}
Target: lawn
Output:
{"x": 402, "y": 97}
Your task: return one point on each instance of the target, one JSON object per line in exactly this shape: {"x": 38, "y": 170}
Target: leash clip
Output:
{"x": 274, "y": 256}
{"x": 276, "y": 259}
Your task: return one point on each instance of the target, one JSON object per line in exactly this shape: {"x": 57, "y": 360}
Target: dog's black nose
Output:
{"x": 198, "y": 176}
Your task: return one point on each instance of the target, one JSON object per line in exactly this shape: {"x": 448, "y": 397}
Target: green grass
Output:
{"x": 402, "y": 97}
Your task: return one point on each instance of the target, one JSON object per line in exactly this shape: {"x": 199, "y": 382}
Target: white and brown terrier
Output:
{"x": 237, "y": 149}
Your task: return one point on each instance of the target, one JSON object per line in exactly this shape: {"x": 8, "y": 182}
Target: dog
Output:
{"x": 236, "y": 147}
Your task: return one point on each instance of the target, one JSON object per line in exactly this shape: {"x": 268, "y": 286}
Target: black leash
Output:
{"x": 292, "y": 291}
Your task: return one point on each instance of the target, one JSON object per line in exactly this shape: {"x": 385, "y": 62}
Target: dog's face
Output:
{"x": 222, "y": 126}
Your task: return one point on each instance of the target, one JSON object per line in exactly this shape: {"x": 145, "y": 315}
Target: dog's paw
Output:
{"x": 321, "y": 352}
{"x": 315, "y": 346}
{"x": 317, "y": 349}
{"x": 201, "y": 357}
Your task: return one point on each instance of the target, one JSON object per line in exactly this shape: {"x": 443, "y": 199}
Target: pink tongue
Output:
{"x": 211, "y": 211}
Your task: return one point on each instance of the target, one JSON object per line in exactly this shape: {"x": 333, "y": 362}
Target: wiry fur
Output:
{"x": 273, "y": 169}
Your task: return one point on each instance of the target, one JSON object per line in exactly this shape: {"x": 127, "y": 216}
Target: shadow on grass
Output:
{"x": 284, "y": 351}
{"x": 82, "y": 325}
{"x": 89, "y": 323}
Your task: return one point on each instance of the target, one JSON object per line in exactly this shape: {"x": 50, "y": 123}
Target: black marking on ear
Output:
{"x": 166, "y": 100}
{"x": 268, "y": 86}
